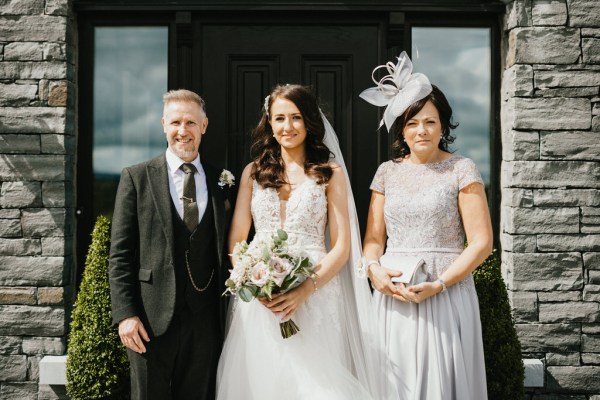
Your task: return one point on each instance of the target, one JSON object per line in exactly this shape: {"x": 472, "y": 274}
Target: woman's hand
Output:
{"x": 285, "y": 305}
{"x": 421, "y": 292}
{"x": 381, "y": 278}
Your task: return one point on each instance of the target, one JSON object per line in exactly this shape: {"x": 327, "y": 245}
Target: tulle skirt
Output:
{"x": 257, "y": 363}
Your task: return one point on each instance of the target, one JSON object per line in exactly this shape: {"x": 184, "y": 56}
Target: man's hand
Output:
{"x": 131, "y": 332}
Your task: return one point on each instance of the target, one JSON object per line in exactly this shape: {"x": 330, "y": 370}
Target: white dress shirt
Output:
{"x": 176, "y": 177}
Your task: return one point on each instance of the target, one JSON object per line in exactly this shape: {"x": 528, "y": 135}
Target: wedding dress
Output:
{"x": 316, "y": 363}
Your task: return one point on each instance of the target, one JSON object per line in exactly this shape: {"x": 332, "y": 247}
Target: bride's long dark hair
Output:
{"x": 269, "y": 169}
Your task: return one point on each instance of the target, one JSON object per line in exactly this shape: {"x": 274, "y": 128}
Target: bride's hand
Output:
{"x": 285, "y": 305}
{"x": 421, "y": 292}
{"x": 381, "y": 278}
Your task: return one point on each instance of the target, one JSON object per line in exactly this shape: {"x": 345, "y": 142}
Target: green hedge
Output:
{"x": 503, "y": 360}
{"x": 97, "y": 366}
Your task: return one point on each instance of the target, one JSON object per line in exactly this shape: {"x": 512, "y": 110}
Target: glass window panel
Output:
{"x": 130, "y": 77}
{"x": 458, "y": 61}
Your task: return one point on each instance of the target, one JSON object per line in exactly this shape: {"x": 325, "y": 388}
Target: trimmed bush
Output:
{"x": 503, "y": 360}
{"x": 97, "y": 366}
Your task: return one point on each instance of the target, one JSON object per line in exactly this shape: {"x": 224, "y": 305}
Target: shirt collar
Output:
{"x": 175, "y": 162}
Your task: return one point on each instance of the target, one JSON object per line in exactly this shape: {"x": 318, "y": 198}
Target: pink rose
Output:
{"x": 259, "y": 274}
{"x": 281, "y": 269}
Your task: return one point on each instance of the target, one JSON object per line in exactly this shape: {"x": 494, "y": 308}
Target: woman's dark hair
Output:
{"x": 399, "y": 148}
{"x": 269, "y": 169}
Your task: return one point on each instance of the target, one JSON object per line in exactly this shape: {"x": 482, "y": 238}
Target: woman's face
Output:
{"x": 287, "y": 123}
{"x": 423, "y": 132}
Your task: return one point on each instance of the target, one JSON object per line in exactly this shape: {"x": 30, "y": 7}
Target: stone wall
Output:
{"x": 37, "y": 153}
{"x": 551, "y": 189}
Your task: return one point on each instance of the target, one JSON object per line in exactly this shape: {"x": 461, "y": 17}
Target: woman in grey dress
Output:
{"x": 426, "y": 202}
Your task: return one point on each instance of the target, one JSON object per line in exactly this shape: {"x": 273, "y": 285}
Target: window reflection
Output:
{"x": 458, "y": 61}
{"x": 130, "y": 77}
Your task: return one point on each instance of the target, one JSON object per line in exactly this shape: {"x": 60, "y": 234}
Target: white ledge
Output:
{"x": 53, "y": 370}
{"x": 534, "y": 373}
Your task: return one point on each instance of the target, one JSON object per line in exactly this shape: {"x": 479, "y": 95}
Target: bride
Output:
{"x": 294, "y": 184}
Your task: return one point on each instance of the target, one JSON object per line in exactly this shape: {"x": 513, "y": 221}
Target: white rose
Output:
{"x": 260, "y": 274}
{"x": 280, "y": 269}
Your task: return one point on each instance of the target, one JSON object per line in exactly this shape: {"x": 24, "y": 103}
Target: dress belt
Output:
{"x": 423, "y": 250}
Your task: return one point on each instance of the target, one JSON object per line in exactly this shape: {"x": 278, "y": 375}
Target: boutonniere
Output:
{"x": 226, "y": 179}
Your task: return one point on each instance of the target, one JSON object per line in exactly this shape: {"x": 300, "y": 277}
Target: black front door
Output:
{"x": 242, "y": 62}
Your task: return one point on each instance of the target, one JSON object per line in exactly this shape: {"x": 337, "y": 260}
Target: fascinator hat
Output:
{"x": 398, "y": 90}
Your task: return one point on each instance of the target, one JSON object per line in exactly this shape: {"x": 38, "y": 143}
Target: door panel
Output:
{"x": 242, "y": 63}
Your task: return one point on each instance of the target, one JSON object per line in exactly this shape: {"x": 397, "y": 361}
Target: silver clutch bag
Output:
{"x": 412, "y": 268}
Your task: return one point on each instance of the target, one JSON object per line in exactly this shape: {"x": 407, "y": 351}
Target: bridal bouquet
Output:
{"x": 263, "y": 268}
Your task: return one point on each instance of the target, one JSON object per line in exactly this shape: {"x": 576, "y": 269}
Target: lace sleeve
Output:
{"x": 378, "y": 183}
{"x": 467, "y": 173}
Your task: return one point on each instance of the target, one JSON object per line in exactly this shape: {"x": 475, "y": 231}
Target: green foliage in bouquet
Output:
{"x": 503, "y": 360}
{"x": 97, "y": 366}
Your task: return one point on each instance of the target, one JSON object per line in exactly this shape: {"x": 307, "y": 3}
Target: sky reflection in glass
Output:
{"x": 130, "y": 77}
{"x": 458, "y": 61}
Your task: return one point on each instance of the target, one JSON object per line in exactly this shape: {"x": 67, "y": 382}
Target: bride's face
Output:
{"x": 287, "y": 123}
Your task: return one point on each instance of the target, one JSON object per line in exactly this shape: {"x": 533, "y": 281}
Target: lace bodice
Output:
{"x": 305, "y": 214}
{"x": 421, "y": 202}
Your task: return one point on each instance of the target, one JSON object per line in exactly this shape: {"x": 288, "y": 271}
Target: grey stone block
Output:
{"x": 43, "y": 89}
{"x": 21, "y": 194}
{"x": 567, "y": 92}
{"x": 518, "y": 14}
{"x": 590, "y": 229}
{"x": 23, "y": 51}
{"x": 57, "y": 246}
{"x": 590, "y": 343}
{"x": 34, "y": 168}
{"x": 566, "y": 78}
{"x": 44, "y": 346}
{"x": 20, "y": 247}
{"x": 590, "y": 215}
{"x": 19, "y": 390}
{"x": 571, "y": 145}
{"x": 524, "y": 306}
{"x": 19, "y": 144}
{"x": 594, "y": 277}
{"x": 584, "y": 13}
{"x": 54, "y": 194}
{"x": 591, "y": 293}
{"x": 45, "y": 222}
{"x": 518, "y": 243}
{"x": 538, "y": 45}
{"x": 590, "y": 328}
{"x": 54, "y": 51}
{"x": 549, "y": 337}
{"x": 52, "y": 392}
{"x": 33, "y": 70}
{"x": 517, "y": 81}
{"x": 58, "y": 144}
{"x": 17, "y": 295}
{"x": 570, "y": 312}
{"x": 35, "y": 271}
{"x": 13, "y": 368}
{"x": 17, "y": 95}
{"x": 584, "y": 242}
{"x": 19, "y": 7}
{"x": 583, "y": 379}
{"x": 559, "y": 296}
{"x": 33, "y": 368}
{"x": 566, "y": 197}
{"x": 10, "y": 213}
{"x": 10, "y": 344}
{"x": 590, "y": 32}
{"x": 538, "y": 220}
{"x": 57, "y": 7}
{"x": 10, "y": 228}
{"x": 591, "y": 260}
{"x": 31, "y": 320}
{"x": 517, "y": 197}
{"x": 520, "y": 145}
{"x": 540, "y": 114}
{"x": 590, "y": 358}
{"x": 563, "y": 359}
{"x": 543, "y": 271}
{"x": 549, "y": 12}
{"x": 43, "y": 28}
{"x": 596, "y": 124}
{"x": 550, "y": 174}
{"x": 33, "y": 119}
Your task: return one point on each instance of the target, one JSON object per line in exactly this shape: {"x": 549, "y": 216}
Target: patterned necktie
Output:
{"x": 190, "y": 206}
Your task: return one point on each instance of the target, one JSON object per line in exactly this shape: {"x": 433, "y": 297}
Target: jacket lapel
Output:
{"x": 158, "y": 179}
